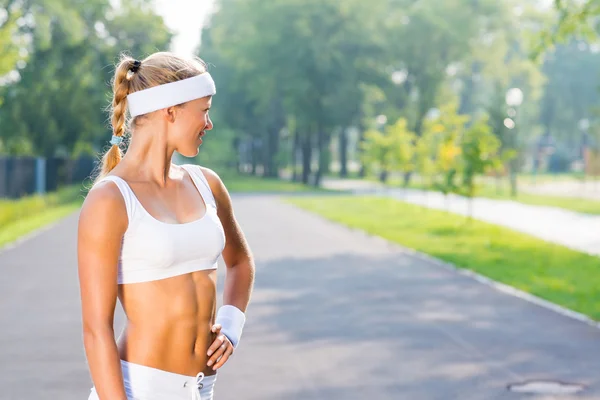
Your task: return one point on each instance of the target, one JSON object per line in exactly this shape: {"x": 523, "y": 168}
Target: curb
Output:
{"x": 501, "y": 287}
{"x": 504, "y": 288}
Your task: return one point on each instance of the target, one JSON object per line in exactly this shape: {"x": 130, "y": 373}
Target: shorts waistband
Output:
{"x": 143, "y": 381}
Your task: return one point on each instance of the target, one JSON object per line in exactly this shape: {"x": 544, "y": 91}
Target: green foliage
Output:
{"x": 325, "y": 65}
{"x": 217, "y": 150}
{"x": 390, "y": 150}
{"x": 451, "y": 154}
{"x": 441, "y": 136}
{"x": 8, "y": 44}
{"x": 15, "y": 210}
{"x": 57, "y": 101}
{"x": 83, "y": 148}
{"x": 479, "y": 154}
{"x": 313, "y": 79}
{"x": 238, "y": 183}
{"x": 23, "y": 216}
{"x": 573, "y": 19}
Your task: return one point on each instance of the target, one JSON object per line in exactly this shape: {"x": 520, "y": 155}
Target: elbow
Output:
{"x": 246, "y": 264}
{"x": 94, "y": 332}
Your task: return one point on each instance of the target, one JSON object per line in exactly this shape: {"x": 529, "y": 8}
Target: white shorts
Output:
{"x": 146, "y": 383}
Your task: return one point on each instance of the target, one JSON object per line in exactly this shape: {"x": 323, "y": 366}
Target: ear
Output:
{"x": 169, "y": 113}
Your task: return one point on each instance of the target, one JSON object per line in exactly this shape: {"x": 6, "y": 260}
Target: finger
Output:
{"x": 224, "y": 358}
{"x": 215, "y": 345}
{"x": 220, "y": 351}
{"x": 215, "y": 331}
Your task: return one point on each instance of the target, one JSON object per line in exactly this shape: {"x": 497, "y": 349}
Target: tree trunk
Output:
{"x": 271, "y": 150}
{"x": 322, "y": 148}
{"x": 361, "y": 139}
{"x": 295, "y": 151}
{"x": 254, "y": 154}
{"x": 236, "y": 147}
{"x": 306, "y": 158}
{"x": 383, "y": 175}
{"x": 272, "y": 145}
{"x": 513, "y": 176}
{"x": 407, "y": 176}
{"x": 343, "y": 153}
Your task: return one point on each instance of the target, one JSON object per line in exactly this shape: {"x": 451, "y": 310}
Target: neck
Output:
{"x": 149, "y": 157}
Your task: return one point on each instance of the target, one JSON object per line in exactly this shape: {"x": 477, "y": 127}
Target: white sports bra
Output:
{"x": 153, "y": 250}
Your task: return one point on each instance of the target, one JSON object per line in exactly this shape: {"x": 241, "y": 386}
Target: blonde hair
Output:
{"x": 157, "y": 69}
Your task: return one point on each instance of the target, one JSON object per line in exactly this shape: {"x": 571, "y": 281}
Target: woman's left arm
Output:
{"x": 236, "y": 254}
{"x": 238, "y": 258}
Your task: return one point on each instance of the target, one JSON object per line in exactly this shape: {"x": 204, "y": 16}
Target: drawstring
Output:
{"x": 199, "y": 386}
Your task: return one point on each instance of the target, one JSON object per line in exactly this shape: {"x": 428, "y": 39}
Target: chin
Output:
{"x": 189, "y": 153}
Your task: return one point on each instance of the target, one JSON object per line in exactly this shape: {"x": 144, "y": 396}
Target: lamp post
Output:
{"x": 514, "y": 98}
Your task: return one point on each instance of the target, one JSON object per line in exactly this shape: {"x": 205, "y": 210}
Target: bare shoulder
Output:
{"x": 216, "y": 184}
{"x": 103, "y": 203}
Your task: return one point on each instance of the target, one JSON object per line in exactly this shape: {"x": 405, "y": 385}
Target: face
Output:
{"x": 189, "y": 123}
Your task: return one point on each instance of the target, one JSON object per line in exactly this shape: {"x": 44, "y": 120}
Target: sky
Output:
{"x": 185, "y": 18}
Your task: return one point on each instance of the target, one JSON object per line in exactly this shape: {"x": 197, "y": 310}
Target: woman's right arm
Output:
{"x": 102, "y": 223}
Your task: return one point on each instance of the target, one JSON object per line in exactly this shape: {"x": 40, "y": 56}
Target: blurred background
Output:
{"x": 393, "y": 90}
{"x": 475, "y": 125}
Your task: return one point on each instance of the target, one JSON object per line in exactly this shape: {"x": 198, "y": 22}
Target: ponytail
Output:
{"x": 119, "y": 106}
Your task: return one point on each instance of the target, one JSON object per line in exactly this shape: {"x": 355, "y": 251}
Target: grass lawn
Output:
{"x": 549, "y": 271}
{"x": 248, "y": 183}
{"x": 22, "y": 216}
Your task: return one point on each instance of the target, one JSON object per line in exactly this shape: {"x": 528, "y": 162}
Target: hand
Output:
{"x": 220, "y": 350}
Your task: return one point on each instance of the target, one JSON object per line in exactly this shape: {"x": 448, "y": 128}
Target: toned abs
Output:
{"x": 169, "y": 322}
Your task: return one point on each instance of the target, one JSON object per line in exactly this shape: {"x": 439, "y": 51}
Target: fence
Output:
{"x": 22, "y": 176}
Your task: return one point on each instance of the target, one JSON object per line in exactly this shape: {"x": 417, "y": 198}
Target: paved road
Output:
{"x": 577, "y": 231}
{"x": 589, "y": 189}
{"x": 335, "y": 315}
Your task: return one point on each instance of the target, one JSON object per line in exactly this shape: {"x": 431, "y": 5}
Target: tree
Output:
{"x": 8, "y": 33}
{"x": 312, "y": 80}
{"x": 572, "y": 19}
{"x": 390, "y": 150}
{"x": 56, "y": 103}
{"x": 427, "y": 38}
{"x": 441, "y": 136}
{"x": 479, "y": 154}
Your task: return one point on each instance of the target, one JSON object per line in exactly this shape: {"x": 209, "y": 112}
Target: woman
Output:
{"x": 150, "y": 233}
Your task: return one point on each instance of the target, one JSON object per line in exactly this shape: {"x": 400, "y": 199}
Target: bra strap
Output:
{"x": 126, "y": 192}
{"x": 201, "y": 183}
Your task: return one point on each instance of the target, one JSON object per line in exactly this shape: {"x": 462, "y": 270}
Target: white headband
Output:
{"x": 170, "y": 94}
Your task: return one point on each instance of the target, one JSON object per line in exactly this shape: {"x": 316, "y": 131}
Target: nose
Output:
{"x": 209, "y": 124}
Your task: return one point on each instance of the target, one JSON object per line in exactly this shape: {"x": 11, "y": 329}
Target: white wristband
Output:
{"x": 232, "y": 321}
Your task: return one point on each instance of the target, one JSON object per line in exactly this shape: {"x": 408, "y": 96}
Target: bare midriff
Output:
{"x": 169, "y": 322}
